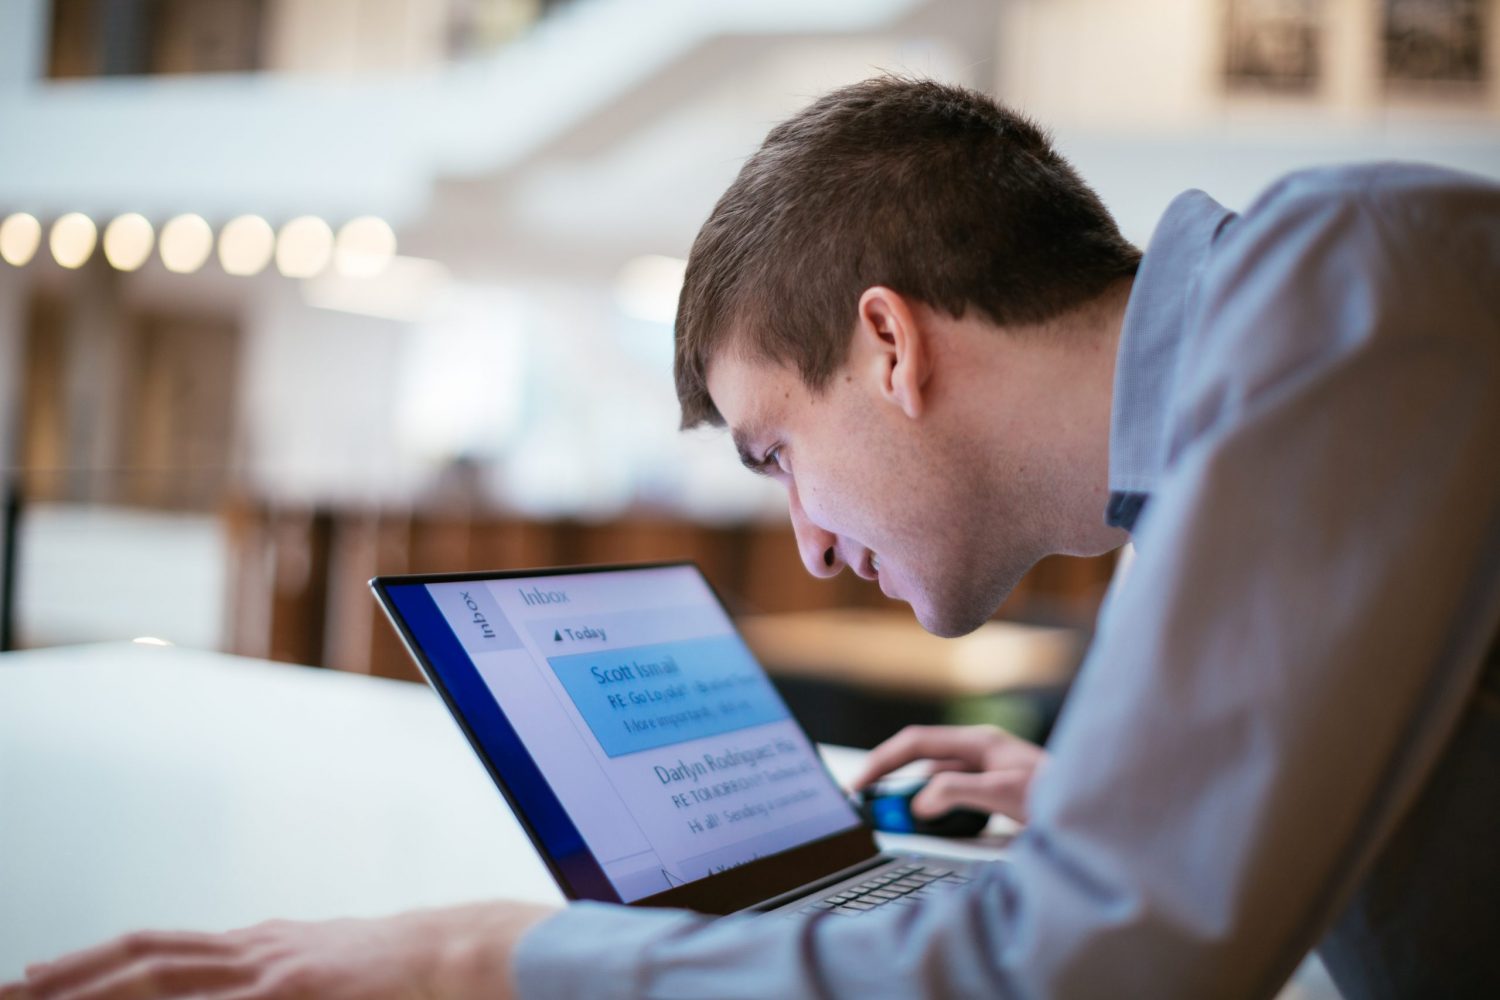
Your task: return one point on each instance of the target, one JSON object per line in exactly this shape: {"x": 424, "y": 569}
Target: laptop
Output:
{"x": 642, "y": 746}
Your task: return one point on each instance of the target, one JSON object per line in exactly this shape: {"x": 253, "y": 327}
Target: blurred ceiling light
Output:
{"x": 186, "y": 242}
{"x": 245, "y": 245}
{"x": 127, "y": 241}
{"x": 72, "y": 239}
{"x": 304, "y": 247}
{"x": 647, "y": 287}
{"x": 365, "y": 247}
{"x": 405, "y": 290}
{"x": 20, "y": 235}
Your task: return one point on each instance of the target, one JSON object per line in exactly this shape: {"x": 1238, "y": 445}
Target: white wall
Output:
{"x": 92, "y": 573}
{"x": 1134, "y": 96}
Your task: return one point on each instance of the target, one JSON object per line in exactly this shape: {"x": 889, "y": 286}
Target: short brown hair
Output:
{"x": 935, "y": 191}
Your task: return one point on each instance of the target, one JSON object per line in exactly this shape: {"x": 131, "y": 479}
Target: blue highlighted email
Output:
{"x": 645, "y": 697}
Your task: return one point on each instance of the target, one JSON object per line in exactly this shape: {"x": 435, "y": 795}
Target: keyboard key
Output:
{"x": 885, "y": 894}
{"x": 857, "y": 905}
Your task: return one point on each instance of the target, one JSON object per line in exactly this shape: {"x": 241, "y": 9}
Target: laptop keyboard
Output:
{"x": 905, "y": 884}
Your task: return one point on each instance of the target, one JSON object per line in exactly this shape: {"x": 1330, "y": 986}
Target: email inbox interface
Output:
{"x": 663, "y": 739}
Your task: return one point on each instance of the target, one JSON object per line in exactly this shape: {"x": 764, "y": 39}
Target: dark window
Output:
{"x": 147, "y": 37}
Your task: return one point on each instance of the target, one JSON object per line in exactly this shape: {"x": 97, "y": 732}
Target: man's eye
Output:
{"x": 777, "y": 456}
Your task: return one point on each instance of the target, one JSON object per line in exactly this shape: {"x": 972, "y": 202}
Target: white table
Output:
{"x": 146, "y": 786}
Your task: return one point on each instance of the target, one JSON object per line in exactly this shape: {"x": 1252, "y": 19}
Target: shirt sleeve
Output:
{"x": 1316, "y": 580}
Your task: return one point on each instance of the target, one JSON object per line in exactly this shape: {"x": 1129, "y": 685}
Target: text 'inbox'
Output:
{"x": 652, "y": 696}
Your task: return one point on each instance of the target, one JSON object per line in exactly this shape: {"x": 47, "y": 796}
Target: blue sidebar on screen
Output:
{"x": 560, "y": 839}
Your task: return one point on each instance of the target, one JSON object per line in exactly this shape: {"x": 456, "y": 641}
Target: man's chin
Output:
{"x": 948, "y": 623}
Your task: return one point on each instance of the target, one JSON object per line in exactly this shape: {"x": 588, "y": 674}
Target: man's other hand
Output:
{"x": 981, "y": 767}
{"x": 462, "y": 951}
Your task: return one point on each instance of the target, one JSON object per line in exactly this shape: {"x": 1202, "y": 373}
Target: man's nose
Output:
{"x": 818, "y": 548}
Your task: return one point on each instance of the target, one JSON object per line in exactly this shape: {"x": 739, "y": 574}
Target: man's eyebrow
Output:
{"x": 742, "y": 438}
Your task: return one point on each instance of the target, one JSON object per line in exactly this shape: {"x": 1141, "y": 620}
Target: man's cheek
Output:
{"x": 818, "y": 509}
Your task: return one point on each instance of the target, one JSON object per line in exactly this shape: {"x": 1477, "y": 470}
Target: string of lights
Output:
{"x": 304, "y": 247}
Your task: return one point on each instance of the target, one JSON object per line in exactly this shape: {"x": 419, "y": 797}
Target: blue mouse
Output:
{"x": 886, "y": 805}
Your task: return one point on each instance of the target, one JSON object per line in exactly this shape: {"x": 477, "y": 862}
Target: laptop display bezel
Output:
{"x": 725, "y": 892}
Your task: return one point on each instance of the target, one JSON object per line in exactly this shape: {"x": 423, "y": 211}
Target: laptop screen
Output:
{"x": 632, "y": 729}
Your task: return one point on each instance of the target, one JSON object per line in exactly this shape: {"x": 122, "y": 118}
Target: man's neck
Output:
{"x": 1068, "y": 366}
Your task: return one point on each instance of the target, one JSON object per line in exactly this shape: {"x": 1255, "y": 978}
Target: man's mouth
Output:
{"x": 885, "y": 583}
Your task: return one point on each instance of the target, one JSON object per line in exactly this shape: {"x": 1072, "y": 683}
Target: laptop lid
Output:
{"x": 636, "y": 738}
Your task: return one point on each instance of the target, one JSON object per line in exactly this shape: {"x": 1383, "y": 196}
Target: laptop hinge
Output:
{"x": 814, "y": 887}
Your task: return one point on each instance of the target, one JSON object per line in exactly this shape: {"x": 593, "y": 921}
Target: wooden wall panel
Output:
{"x": 300, "y": 588}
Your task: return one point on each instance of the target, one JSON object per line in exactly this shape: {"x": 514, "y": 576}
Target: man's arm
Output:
{"x": 1316, "y": 580}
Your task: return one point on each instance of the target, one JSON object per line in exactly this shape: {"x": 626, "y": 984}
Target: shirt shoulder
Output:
{"x": 1328, "y": 265}
{"x": 1380, "y": 184}
{"x": 1410, "y": 204}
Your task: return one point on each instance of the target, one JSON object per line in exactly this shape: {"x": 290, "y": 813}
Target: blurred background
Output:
{"x": 295, "y": 292}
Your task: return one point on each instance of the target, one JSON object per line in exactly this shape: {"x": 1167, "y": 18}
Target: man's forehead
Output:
{"x": 748, "y": 394}
{"x": 751, "y": 397}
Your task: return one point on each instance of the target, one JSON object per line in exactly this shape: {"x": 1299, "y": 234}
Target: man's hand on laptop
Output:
{"x": 462, "y": 951}
{"x": 980, "y": 767}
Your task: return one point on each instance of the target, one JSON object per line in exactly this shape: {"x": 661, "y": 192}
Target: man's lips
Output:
{"x": 870, "y": 569}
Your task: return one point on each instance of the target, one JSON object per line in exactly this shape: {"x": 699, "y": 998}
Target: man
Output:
{"x": 915, "y": 316}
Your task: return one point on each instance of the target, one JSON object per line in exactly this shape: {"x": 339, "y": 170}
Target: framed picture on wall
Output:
{"x": 1273, "y": 45}
{"x": 1433, "y": 41}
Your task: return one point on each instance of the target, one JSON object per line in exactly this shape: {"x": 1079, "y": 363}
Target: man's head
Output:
{"x": 844, "y": 311}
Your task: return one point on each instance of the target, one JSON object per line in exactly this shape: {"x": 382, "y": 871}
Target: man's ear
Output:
{"x": 895, "y": 347}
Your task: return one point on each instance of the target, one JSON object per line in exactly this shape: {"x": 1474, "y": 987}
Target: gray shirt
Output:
{"x": 1285, "y": 723}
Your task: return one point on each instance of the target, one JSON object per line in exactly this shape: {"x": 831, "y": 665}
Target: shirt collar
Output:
{"x": 1150, "y": 339}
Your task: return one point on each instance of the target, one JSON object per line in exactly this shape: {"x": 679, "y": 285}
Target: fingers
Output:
{"x": 947, "y": 764}
{"x": 965, "y": 744}
{"x": 146, "y": 963}
{"x": 153, "y": 977}
{"x": 1001, "y": 792}
{"x": 122, "y": 949}
{"x": 14, "y": 991}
